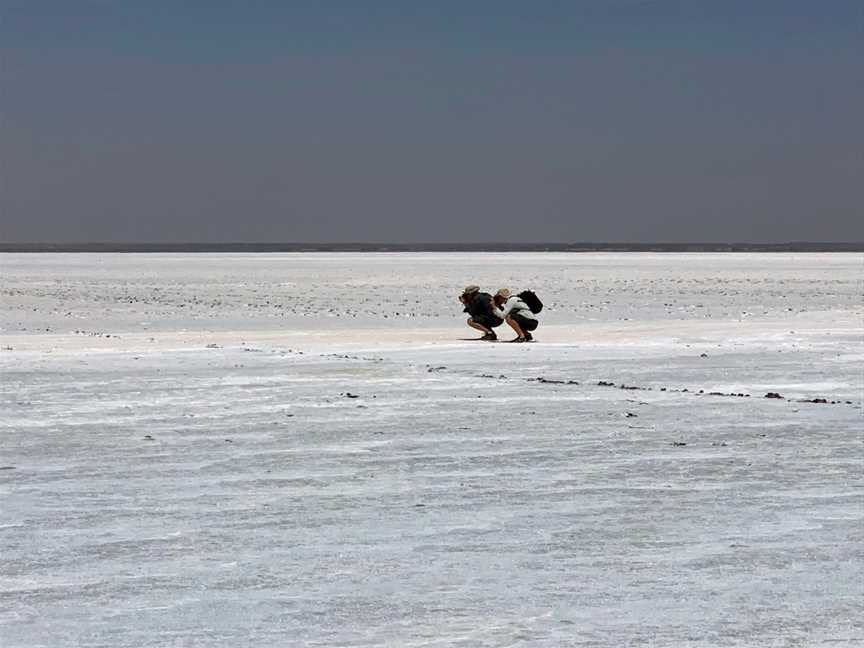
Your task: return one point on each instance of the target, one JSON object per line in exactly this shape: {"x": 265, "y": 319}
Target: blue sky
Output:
{"x": 615, "y": 120}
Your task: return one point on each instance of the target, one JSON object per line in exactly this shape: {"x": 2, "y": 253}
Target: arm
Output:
{"x": 508, "y": 308}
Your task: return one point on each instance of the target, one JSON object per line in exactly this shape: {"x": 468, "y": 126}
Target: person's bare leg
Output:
{"x": 479, "y": 327}
{"x": 515, "y": 327}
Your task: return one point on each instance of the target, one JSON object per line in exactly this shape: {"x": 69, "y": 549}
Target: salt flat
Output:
{"x": 300, "y": 449}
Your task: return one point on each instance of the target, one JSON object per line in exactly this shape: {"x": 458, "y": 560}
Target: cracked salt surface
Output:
{"x": 157, "y": 492}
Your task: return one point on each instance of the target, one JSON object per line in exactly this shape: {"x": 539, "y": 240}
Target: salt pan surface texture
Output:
{"x": 183, "y": 464}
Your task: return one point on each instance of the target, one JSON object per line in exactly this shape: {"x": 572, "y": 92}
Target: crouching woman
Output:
{"x": 480, "y": 306}
{"x": 513, "y": 310}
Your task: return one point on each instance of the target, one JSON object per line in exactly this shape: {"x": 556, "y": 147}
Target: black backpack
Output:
{"x": 532, "y": 300}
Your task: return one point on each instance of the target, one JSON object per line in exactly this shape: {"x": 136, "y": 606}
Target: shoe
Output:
{"x": 519, "y": 339}
{"x": 528, "y": 337}
{"x": 489, "y": 337}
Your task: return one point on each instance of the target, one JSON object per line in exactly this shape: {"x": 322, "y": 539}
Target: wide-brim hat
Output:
{"x": 470, "y": 290}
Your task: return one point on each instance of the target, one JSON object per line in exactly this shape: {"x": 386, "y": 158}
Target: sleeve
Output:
{"x": 508, "y": 307}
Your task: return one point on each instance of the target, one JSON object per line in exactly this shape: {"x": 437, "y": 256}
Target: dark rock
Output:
{"x": 773, "y": 395}
{"x": 604, "y": 383}
{"x": 678, "y": 444}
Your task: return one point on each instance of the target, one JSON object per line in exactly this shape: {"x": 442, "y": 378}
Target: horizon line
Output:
{"x": 658, "y": 246}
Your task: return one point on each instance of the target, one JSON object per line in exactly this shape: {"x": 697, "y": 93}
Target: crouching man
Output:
{"x": 481, "y": 309}
{"x": 513, "y": 310}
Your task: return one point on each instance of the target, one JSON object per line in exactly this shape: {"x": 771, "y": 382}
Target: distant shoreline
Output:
{"x": 430, "y": 247}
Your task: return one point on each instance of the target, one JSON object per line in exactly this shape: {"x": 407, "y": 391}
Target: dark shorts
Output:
{"x": 524, "y": 323}
{"x": 489, "y": 321}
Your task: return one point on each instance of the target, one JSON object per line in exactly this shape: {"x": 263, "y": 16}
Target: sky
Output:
{"x": 447, "y": 121}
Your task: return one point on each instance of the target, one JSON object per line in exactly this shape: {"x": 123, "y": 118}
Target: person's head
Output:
{"x": 502, "y": 296}
{"x": 469, "y": 294}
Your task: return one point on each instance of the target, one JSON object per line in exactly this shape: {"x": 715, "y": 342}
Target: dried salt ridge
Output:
{"x": 606, "y": 383}
{"x": 303, "y": 482}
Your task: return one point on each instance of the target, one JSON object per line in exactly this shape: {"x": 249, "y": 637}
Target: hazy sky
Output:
{"x": 444, "y": 121}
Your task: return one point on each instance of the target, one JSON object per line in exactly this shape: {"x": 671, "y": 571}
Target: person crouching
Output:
{"x": 513, "y": 310}
{"x": 481, "y": 309}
